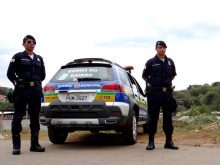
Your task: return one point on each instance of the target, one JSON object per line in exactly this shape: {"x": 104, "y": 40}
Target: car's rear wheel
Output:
{"x": 57, "y": 135}
{"x": 130, "y": 133}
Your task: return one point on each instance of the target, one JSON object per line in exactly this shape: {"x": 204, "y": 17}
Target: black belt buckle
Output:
{"x": 164, "y": 89}
{"x": 32, "y": 83}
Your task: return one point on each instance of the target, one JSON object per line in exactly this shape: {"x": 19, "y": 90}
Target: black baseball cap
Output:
{"x": 28, "y": 37}
{"x": 161, "y": 43}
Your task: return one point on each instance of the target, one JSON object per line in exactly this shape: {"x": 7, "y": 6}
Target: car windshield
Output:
{"x": 84, "y": 73}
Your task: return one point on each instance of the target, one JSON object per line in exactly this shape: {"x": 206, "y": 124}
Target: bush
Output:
{"x": 204, "y": 119}
{"x": 194, "y": 101}
{"x": 216, "y": 106}
{"x": 210, "y": 98}
{"x": 198, "y": 110}
{"x": 6, "y": 106}
{"x": 186, "y": 103}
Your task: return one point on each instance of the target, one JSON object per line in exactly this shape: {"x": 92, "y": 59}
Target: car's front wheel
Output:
{"x": 57, "y": 135}
{"x": 130, "y": 133}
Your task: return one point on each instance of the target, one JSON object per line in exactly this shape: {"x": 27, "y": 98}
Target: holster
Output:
{"x": 20, "y": 83}
{"x": 10, "y": 97}
{"x": 172, "y": 105}
{"x": 149, "y": 90}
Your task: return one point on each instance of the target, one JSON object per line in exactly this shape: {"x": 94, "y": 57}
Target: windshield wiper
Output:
{"x": 88, "y": 79}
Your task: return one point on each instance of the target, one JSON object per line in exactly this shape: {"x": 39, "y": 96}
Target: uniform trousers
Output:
{"x": 20, "y": 107}
{"x": 156, "y": 102}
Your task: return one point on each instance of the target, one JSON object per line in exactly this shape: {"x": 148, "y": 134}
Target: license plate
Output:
{"x": 72, "y": 97}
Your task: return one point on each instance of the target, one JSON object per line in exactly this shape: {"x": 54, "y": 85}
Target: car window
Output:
{"x": 124, "y": 77}
{"x": 75, "y": 73}
{"x": 134, "y": 82}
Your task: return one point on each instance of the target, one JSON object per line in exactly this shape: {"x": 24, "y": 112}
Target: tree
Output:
{"x": 216, "y": 84}
{"x": 194, "y": 101}
{"x": 210, "y": 98}
{"x": 5, "y": 90}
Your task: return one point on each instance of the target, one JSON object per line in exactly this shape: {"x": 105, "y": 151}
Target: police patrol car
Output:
{"x": 93, "y": 94}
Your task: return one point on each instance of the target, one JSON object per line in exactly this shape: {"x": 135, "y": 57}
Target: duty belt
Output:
{"x": 31, "y": 83}
{"x": 27, "y": 84}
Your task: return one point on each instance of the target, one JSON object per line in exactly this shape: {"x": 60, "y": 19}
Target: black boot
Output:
{"x": 151, "y": 145}
{"x": 16, "y": 140}
{"x": 169, "y": 143}
{"x": 35, "y": 146}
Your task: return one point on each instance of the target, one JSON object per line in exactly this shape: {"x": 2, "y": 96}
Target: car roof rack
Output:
{"x": 91, "y": 60}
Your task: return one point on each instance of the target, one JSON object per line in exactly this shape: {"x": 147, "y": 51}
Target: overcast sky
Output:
{"x": 124, "y": 31}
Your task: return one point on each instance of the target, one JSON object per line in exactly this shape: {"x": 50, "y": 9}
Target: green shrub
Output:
{"x": 198, "y": 110}
{"x": 204, "y": 119}
{"x": 216, "y": 107}
{"x": 210, "y": 98}
{"x": 6, "y": 106}
{"x": 193, "y": 111}
{"x": 194, "y": 101}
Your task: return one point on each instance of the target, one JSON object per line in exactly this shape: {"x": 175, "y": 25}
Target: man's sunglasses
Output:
{"x": 29, "y": 42}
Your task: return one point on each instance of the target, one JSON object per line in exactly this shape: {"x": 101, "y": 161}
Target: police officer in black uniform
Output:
{"x": 158, "y": 73}
{"x": 26, "y": 71}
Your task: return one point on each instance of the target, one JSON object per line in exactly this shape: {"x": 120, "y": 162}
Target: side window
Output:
{"x": 124, "y": 77}
{"x": 139, "y": 87}
{"x": 136, "y": 84}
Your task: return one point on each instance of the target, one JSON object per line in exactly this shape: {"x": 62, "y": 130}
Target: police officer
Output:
{"x": 158, "y": 73}
{"x": 26, "y": 71}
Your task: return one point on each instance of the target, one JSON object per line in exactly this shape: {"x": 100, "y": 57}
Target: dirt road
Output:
{"x": 108, "y": 151}
{"x": 106, "y": 148}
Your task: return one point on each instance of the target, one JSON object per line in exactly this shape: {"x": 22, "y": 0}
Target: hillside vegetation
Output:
{"x": 204, "y": 98}
{"x": 5, "y": 105}
{"x": 196, "y": 99}
{"x": 201, "y": 103}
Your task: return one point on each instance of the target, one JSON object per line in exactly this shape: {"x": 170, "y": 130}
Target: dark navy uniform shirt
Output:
{"x": 159, "y": 73}
{"x": 23, "y": 67}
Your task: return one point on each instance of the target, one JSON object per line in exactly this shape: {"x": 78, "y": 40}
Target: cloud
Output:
{"x": 110, "y": 29}
{"x": 138, "y": 41}
{"x": 197, "y": 31}
{"x": 5, "y": 48}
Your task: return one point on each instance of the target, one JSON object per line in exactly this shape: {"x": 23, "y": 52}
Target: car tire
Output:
{"x": 56, "y": 135}
{"x": 130, "y": 133}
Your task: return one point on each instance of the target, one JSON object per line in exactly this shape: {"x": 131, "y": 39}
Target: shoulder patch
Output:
{"x": 12, "y": 60}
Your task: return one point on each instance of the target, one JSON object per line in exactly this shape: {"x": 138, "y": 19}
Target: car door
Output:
{"x": 140, "y": 98}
